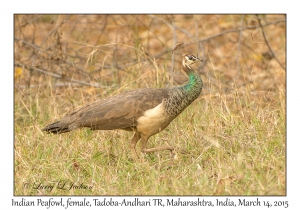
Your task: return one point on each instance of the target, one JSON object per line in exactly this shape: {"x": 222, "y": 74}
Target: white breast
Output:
{"x": 153, "y": 121}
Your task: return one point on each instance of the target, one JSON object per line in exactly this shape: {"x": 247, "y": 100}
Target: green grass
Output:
{"x": 234, "y": 143}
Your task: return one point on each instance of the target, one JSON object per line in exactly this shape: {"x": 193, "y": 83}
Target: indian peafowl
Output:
{"x": 145, "y": 111}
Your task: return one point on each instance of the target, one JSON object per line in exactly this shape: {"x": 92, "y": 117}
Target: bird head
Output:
{"x": 190, "y": 59}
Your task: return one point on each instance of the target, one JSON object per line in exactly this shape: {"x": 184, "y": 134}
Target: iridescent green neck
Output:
{"x": 183, "y": 96}
{"x": 195, "y": 82}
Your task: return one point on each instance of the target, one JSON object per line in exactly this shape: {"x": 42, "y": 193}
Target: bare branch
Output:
{"x": 56, "y": 27}
{"x": 268, "y": 44}
{"x": 57, "y": 75}
{"x": 239, "y": 47}
{"x": 233, "y": 31}
{"x": 219, "y": 34}
{"x": 30, "y": 45}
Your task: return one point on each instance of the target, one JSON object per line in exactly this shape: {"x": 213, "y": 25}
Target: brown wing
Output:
{"x": 116, "y": 112}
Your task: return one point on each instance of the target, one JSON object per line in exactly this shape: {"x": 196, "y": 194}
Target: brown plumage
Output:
{"x": 144, "y": 111}
{"x": 116, "y": 112}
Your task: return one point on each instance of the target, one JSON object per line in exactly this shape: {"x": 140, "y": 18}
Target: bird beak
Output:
{"x": 198, "y": 60}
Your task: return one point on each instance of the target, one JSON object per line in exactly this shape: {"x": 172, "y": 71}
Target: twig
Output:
{"x": 216, "y": 35}
{"x": 239, "y": 47}
{"x": 30, "y": 45}
{"x": 66, "y": 84}
{"x": 233, "y": 31}
{"x": 56, "y": 27}
{"x": 174, "y": 44}
{"x": 29, "y": 22}
{"x": 173, "y": 26}
{"x": 57, "y": 75}
{"x": 268, "y": 44}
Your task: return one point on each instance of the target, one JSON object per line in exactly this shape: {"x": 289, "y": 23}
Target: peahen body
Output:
{"x": 144, "y": 111}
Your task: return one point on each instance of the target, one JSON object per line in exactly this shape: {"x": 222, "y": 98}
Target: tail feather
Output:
{"x": 57, "y": 127}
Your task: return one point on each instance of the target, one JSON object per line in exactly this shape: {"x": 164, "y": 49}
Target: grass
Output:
{"x": 235, "y": 145}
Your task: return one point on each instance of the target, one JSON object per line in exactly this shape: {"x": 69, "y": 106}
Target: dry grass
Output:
{"x": 234, "y": 134}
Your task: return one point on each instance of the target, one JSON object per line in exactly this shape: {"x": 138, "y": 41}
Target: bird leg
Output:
{"x": 134, "y": 141}
{"x": 145, "y": 150}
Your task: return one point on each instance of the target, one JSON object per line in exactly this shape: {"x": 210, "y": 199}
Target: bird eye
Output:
{"x": 191, "y": 57}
